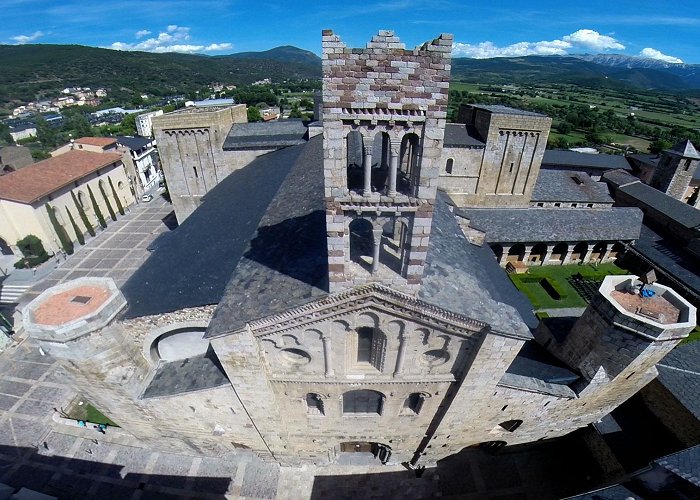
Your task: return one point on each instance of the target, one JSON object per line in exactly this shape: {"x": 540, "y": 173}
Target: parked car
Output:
{"x": 146, "y": 198}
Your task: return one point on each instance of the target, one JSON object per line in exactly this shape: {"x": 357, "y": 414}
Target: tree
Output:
{"x": 658, "y": 145}
{"x": 96, "y": 208}
{"x": 120, "y": 207}
{"x": 45, "y": 133}
{"x": 79, "y": 126}
{"x": 78, "y": 232}
{"x": 101, "y": 186}
{"x": 83, "y": 216}
{"x": 128, "y": 124}
{"x": 254, "y": 114}
{"x": 564, "y": 127}
{"x": 66, "y": 242}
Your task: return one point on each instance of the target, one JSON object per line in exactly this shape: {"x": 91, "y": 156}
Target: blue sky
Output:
{"x": 666, "y": 29}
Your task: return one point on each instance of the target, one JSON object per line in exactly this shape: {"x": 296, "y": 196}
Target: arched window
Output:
{"x": 361, "y": 242}
{"x": 355, "y": 156}
{"x": 450, "y": 164}
{"x": 363, "y": 402}
{"x": 413, "y": 403}
{"x": 511, "y": 425}
{"x": 81, "y": 199}
{"x": 314, "y": 404}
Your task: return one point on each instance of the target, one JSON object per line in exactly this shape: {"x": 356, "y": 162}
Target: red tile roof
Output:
{"x": 97, "y": 141}
{"x": 45, "y": 177}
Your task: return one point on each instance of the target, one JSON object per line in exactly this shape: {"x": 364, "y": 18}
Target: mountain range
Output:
{"x": 31, "y": 71}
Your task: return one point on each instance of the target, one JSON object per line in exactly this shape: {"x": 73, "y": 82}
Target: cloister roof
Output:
{"x": 522, "y": 225}
{"x": 569, "y": 186}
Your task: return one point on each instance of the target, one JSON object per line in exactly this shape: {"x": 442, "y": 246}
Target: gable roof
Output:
{"x": 569, "y": 186}
{"x": 263, "y": 135}
{"x": 40, "y": 179}
{"x": 134, "y": 143}
{"x": 662, "y": 203}
{"x": 574, "y": 159}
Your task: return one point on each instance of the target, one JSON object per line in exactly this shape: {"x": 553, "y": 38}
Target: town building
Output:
{"x": 68, "y": 184}
{"x": 93, "y": 144}
{"x": 323, "y": 298}
{"x": 141, "y": 158}
{"x": 144, "y": 123}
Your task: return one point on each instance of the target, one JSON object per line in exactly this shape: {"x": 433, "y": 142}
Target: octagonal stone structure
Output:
{"x": 73, "y": 309}
{"x": 664, "y": 314}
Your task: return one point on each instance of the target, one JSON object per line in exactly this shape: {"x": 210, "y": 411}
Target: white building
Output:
{"x": 144, "y": 123}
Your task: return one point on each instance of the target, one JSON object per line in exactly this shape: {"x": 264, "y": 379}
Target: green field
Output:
{"x": 557, "y": 275}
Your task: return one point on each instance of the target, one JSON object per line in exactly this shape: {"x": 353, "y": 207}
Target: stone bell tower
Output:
{"x": 384, "y": 114}
{"x": 676, "y": 169}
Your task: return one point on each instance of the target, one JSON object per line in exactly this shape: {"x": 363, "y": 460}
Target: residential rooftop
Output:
{"x": 40, "y": 179}
{"x": 97, "y": 141}
{"x": 573, "y": 160}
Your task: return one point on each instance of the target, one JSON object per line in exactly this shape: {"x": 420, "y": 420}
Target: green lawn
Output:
{"x": 694, "y": 336}
{"x": 87, "y": 412}
{"x": 557, "y": 275}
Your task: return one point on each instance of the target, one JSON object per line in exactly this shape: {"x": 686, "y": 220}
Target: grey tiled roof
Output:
{"x": 679, "y": 372}
{"x": 262, "y": 135}
{"x": 685, "y": 464}
{"x": 513, "y": 225}
{"x": 666, "y": 253}
{"x": 618, "y": 177}
{"x": 285, "y": 262}
{"x": 186, "y": 375}
{"x": 685, "y": 149}
{"x": 458, "y": 135}
{"x": 505, "y": 110}
{"x": 572, "y": 159}
{"x": 560, "y": 185}
{"x": 466, "y": 278}
{"x": 190, "y": 266}
{"x": 534, "y": 369}
{"x": 672, "y": 208}
{"x": 134, "y": 143}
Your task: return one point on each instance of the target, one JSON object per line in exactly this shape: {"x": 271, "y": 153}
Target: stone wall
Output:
{"x": 190, "y": 146}
{"x": 466, "y": 167}
{"x": 674, "y": 174}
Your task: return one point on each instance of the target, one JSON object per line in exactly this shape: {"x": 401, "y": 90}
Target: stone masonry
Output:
{"x": 676, "y": 169}
{"x": 400, "y": 95}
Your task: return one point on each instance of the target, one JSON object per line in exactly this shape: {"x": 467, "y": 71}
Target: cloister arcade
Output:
{"x": 382, "y": 243}
{"x": 557, "y": 254}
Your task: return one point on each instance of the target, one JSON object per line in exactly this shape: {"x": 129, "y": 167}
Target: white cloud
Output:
{"x": 591, "y": 39}
{"x": 22, "y": 39}
{"x": 485, "y": 50}
{"x": 657, "y": 54}
{"x": 581, "y": 39}
{"x": 173, "y": 39}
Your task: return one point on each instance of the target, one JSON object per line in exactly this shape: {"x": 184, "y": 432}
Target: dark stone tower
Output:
{"x": 676, "y": 169}
{"x": 384, "y": 114}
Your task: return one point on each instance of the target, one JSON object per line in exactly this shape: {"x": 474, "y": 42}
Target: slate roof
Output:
{"x": 186, "y": 375}
{"x": 40, "y": 179}
{"x": 685, "y": 149}
{"x": 618, "y": 178}
{"x": 285, "y": 261}
{"x": 505, "y": 110}
{"x": 134, "y": 143}
{"x": 262, "y": 135}
{"x": 466, "y": 278}
{"x": 666, "y": 253}
{"x": 458, "y": 135}
{"x": 513, "y": 225}
{"x": 191, "y": 265}
{"x": 685, "y": 464}
{"x": 574, "y": 160}
{"x": 659, "y": 201}
{"x": 561, "y": 185}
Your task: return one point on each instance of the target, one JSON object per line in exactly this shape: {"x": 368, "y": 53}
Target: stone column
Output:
{"x": 401, "y": 355}
{"x": 504, "y": 256}
{"x": 526, "y": 255}
{"x": 327, "y": 354}
{"x": 548, "y": 255}
{"x": 393, "y": 167}
{"x": 367, "y": 144}
{"x": 606, "y": 255}
{"x": 567, "y": 257}
{"x": 587, "y": 256}
{"x": 377, "y": 233}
